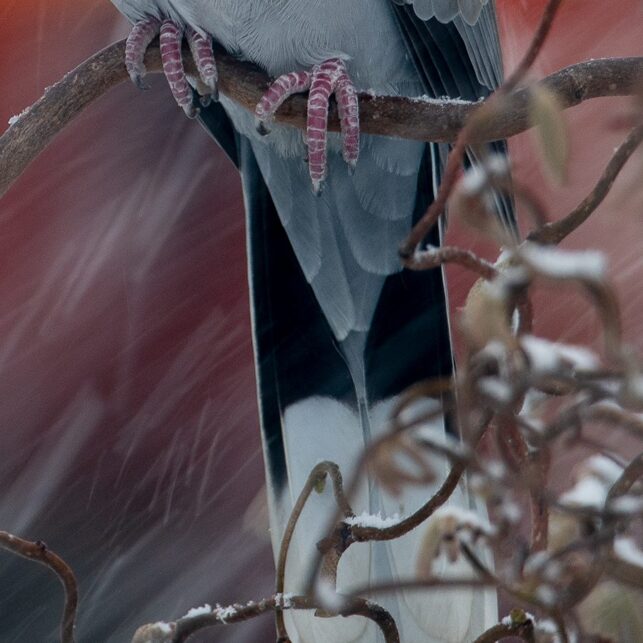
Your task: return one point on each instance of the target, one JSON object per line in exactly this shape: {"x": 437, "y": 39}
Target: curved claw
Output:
{"x": 203, "y": 55}
{"x": 190, "y": 110}
{"x": 326, "y": 79}
{"x": 139, "y": 38}
{"x": 277, "y": 93}
{"x": 137, "y": 79}
{"x": 262, "y": 127}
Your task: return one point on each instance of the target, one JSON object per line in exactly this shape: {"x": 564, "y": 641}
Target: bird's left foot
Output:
{"x": 171, "y": 38}
{"x": 330, "y": 77}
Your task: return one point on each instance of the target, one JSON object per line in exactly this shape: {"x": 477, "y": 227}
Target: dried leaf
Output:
{"x": 546, "y": 115}
{"x": 486, "y": 316}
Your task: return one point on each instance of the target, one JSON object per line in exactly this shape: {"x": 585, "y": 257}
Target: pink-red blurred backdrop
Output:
{"x": 128, "y": 422}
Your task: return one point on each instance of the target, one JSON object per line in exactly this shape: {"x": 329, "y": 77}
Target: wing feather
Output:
{"x": 475, "y": 22}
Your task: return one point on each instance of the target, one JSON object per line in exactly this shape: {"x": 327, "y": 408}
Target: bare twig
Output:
{"x": 535, "y": 46}
{"x": 39, "y": 552}
{"x": 180, "y": 630}
{"x": 317, "y": 477}
{"x": 434, "y": 257}
{"x": 556, "y": 231}
{"x": 631, "y": 474}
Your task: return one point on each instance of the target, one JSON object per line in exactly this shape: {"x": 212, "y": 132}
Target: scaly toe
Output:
{"x": 139, "y": 39}
{"x": 203, "y": 55}
{"x": 137, "y": 79}
{"x": 171, "y": 57}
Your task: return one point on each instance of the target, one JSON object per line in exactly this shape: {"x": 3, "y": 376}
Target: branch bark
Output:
{"x": 245, "y": 83}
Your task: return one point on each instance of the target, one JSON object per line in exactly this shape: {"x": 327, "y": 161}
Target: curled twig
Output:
{"x": 556, "y": 231}
{"x": 316, "y": 477}
{"x": 434, "y": 257}
{"x": 39, "y": 552}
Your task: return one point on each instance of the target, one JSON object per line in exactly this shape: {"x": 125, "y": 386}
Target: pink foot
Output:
{"x": 171, "y": 39}
{"x": 328, "y": 78}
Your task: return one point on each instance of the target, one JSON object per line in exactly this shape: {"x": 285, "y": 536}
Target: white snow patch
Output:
{"x": 465, "y": 518}
{"x": 163, "y": 627}
{"x": 474, "y": 180}
{"x": 198, "y": 611}
{"x": 546, "y": 357}
{"x": 284, "y": 600}
{"x": 511, "y": 512}
{"x": 627, "y": 550}
{"x": 587, "y": 492}
{"x": 564, "y": 264}
{"x": 508, "y": 621}
{"x": 443, "y": 100}
{"x": 497, "y": 165}
{"x": 224, "y": 613}
{"x": 627, "y": 504}
{"x": 546, "y": 594}
{"x": 549, "y": 629}
{"x": 595, "y": 478}
{"x": 496, "y": 469}
{"x": 496, "y": 389}
{"x": 495, "y": 349}
{"x": 372, "y": 520}
{"x": 14, "y": 119}
{"x": 604, "y": 468}
{"x": 415, "y": 411}
{"x": 432, "y": 436}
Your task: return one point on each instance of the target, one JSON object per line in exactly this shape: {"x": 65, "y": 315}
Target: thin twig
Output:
{"x": 434, "y": 257}
{"x": 315, "y": 478}
{"x": 39, "y": 552}
{"x": 535, "y": 46}
{"x": 180, "y": 630}
{"x": 515, "y": 592}
{"x": 556, "y": 231}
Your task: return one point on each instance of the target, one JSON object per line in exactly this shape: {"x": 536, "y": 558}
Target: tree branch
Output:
{"x": 245, "y": 83}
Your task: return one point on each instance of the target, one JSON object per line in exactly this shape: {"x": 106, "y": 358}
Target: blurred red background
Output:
{"x": 128, "y": 424}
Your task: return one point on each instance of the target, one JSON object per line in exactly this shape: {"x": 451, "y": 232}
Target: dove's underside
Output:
{"x": 340, "y": 331}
